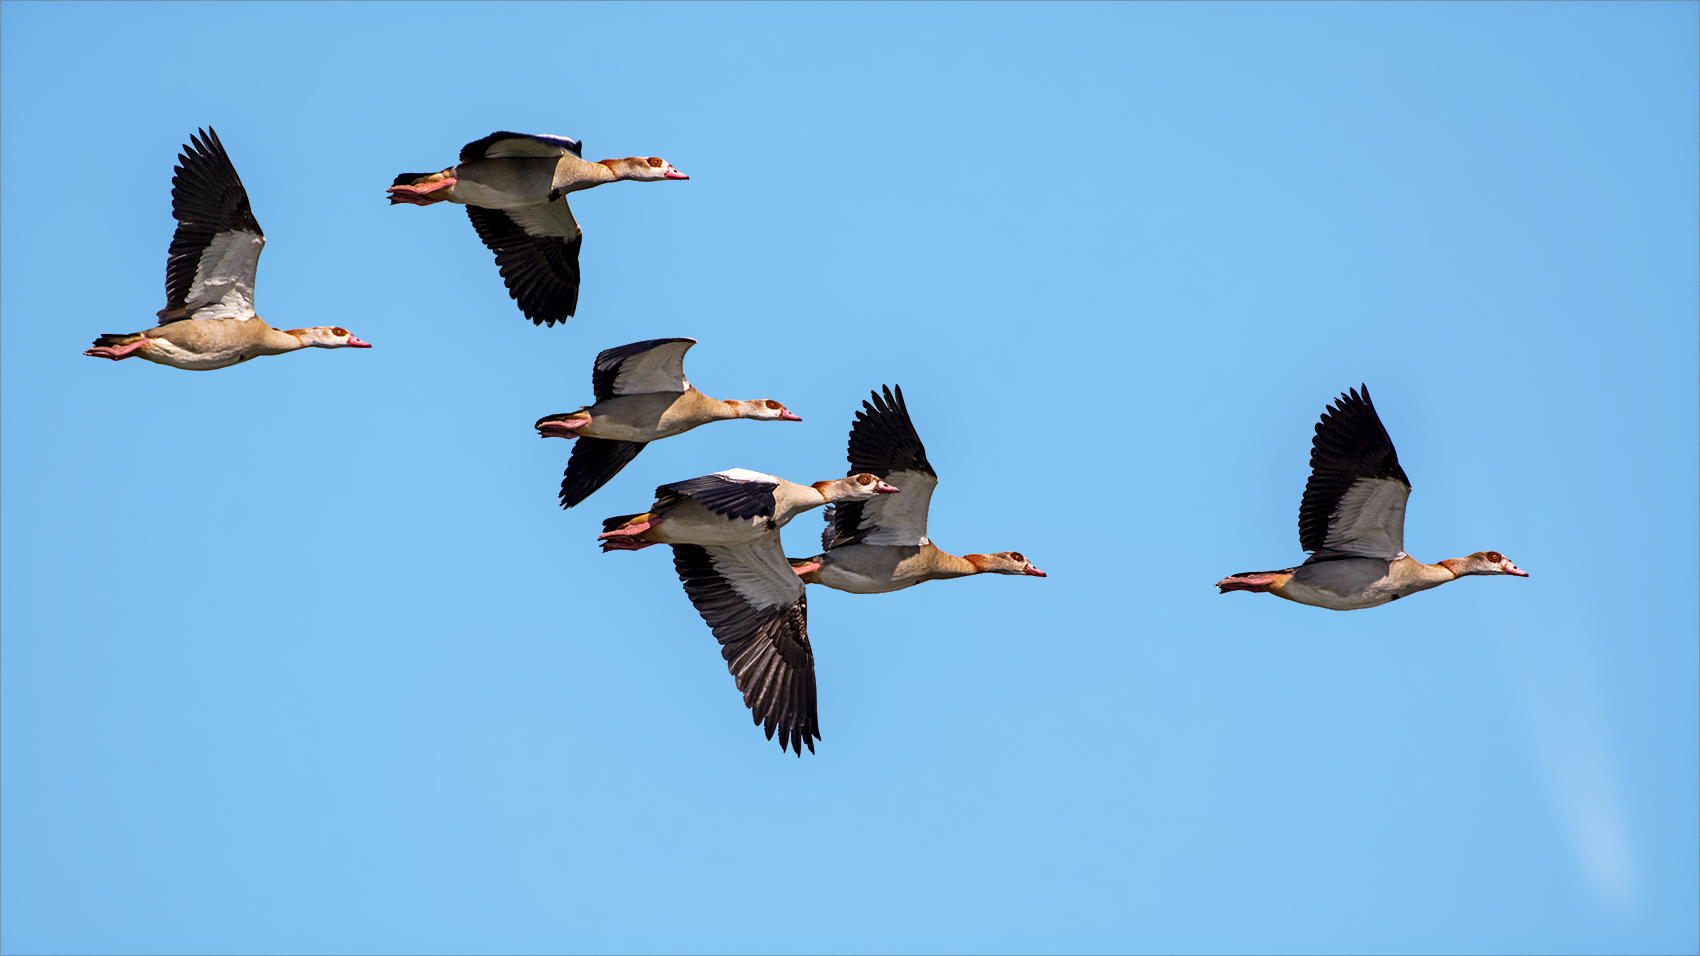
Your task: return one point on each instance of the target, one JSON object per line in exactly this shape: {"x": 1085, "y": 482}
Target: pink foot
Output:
{"x": 626, "y": 532}
{"x": 419, "y": 195}
{"x": 561, "y": 428}
{"x": 625, "y": 544}
{"x": 1259, "y": 581}
{"x": 803, "y": 569}
{"x": 116, "y": 352}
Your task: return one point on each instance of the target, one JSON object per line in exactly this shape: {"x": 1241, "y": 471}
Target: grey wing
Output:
{"x": 536, "y": 251}
{"x": 215, "y": 252}
{"x": 883, "y": 442}
{"x": 758, "y": 611}
{"x": 655, "y": 365}
{"x": 1355, "y": 499}
{"x": 507, "y": 145}
{"x": 737, "y": 494}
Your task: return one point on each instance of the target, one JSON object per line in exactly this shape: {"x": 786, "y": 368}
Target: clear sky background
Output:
{"x": 302, "y": 655}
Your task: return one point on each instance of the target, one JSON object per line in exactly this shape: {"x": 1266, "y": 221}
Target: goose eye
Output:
{"x": 1017, "y": 556}
{"x": 864, "y": 479}
{"x": 656, "y": 162}
{"x": 1495, "y": 557}
{"x": 773, "y": 405}
{"x": 339, "y": 330}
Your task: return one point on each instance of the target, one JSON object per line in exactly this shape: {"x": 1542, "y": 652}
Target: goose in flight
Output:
{"x": 1352, "y": 520}
{"x": 641, "y": 395}
{"x": 514, "y": 188}
{"x": 208, "y": 321}
{"x": 880, "y": 545}
{"x": 724, "y": 529}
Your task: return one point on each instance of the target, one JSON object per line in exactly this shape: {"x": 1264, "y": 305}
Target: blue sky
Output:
{"x": 301, "y": 655}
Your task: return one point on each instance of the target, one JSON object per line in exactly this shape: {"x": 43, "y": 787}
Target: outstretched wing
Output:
{"x": 506, "y": 145}
{"x": 536, "y": 250}
{"x": 883, "y": 442}
{"x": 1355, "y": 499}
{"x": 733, "y": 494}
{"x": 209, "y": 271}
{"x": 656, "y": 365}
{"x": 594, "y": 463}
{"x": 755, "y": 605}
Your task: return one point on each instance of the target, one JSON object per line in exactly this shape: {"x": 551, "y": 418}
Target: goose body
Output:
{"x": 642, "y": 395}
{"x": 1352, "y": 519}
{"x": 513, "y": 186}
{"x": 724, "y": 529}
{"x": 881, "y": 544}
{"x": 208, "y": 319}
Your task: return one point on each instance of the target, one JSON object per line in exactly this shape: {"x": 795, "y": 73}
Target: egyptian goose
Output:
{"x": 513, "y": 186}
{"x": 881, "y": 545}
{"x": 208, "y": 321}
{"x": 1352, "y": 519}
{"x": 641, "y": 396}
{"x": 724, "y": 529}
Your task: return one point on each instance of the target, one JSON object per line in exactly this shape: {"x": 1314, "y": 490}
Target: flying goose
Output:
{"x": 641, "y": 396}
{"x": 514, "y": 187}
{"x": 208, "y": 321}
{"x": 881, "y": 545}
{"x": 724, "y": 529}
{"x": 1352, "y": 519}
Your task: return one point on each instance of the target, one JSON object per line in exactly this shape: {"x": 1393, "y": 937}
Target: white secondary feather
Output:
{"x": 530, "y": 147}
{"x": 900, "y": 519}
{"x": 224, "y": 277}
{"x": 759, "y": 572}
{"x": 661, "y": 369}
{"x": 545, "y": 219}
{"x": 1370, "y": 519}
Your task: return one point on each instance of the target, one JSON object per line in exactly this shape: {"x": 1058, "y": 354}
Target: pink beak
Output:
{"x": 788, "y": 417}
{"x": 675, "y": 174}
{"x": 357, "y": 344}
{"x": 1030, "y": 569}
{"x": 1517, "y": 572}
{"x": 885, "y": 489}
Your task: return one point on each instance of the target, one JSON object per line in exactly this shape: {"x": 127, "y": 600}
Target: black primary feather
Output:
{"x": 594, "y": 463}
{"x": 1350, "y": 443}
{"x": 883, "y": 440}
{"x": 475, "y": 149}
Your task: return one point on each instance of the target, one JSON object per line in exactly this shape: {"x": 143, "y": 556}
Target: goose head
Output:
{"x": 854, "y": 488}
{"x": 1485, "y": 562}
{"x": 1003, "y": 562}
{"x": 763, "y": 410}
{"x": 328, "y": 337}
{"x": 643, "y": 169}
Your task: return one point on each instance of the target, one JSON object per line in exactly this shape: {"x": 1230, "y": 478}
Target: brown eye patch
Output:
{"x": 1495, "y": 557}
{"x": 773, "y": 405}
{"x": 339, "y": 330}
{"x": 657, "y": 162}
{"x": 1017, "y": 556}
{"x": 864, "y": 479}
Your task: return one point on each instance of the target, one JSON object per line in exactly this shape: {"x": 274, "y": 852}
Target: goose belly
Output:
{"x": 504, "y": 183}
{"x": 166, "y": 352}
{"x": 1341, "y": 585}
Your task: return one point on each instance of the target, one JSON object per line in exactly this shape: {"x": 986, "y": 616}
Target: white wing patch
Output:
{"x": 744, "y": 474}
{"x": 661, "y": 369}
{"x": 900, "y": 519}
{"x": 1370, "y": 519}
{"x": 224, "y": 278}
{"x": 545, "y": 219}
{"x": 759, "y": 572}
